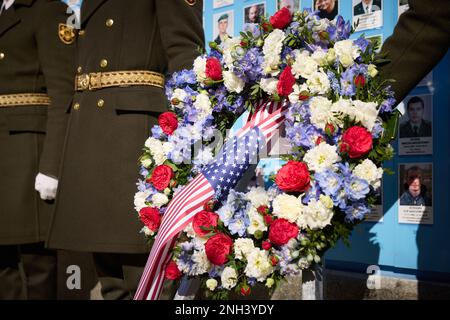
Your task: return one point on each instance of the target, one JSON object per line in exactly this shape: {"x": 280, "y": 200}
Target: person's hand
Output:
{"x": 46, "y": 186}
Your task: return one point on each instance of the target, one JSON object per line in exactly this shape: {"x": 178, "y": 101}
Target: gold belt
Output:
{"x": 24, "y": 99}
{"x": 99, "y": 80}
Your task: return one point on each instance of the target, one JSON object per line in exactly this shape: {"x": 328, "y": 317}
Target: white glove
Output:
{"x": 46, "y": 186}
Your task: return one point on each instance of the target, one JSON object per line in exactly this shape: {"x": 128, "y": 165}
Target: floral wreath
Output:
{"x": 339, "y": 124}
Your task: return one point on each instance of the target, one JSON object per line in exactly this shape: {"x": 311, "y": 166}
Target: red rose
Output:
{"x": 274, "y": 260}
{"x": 330, "y": 129}
{"x": 213, "y": 69}
{"x": 281, "y": 18}
{"x": 263, "y": 210}
{"x": 356, "y": 142}
{"x": 217, "y": 248}
{"x": 246, "y": 290}
{"x": 266, "y": 245}
{"x": 172, "y": 271}
{"x": 168, "y": 122}
{"x": 209, "y": 205}
{"x": 293, "y": 177}
{"x": 204, "y": 219}
{"x": 268, "y": 219}
{"x": 360, "y": 81}
{"x": 161, "y": 177}
{"x": 319, "y": 140}
{"x": 286, "y": 82}
{"x": 150, "y": 217}
{"x": 281, "y": 231}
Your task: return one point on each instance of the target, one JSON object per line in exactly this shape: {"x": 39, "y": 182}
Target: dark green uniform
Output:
{"x": 420, "y": 39}
{"x": 108, "y": 127}
{"x": 33, "y": 60}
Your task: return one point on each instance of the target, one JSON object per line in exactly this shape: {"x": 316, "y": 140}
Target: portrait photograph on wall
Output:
{"x": 416, "y": 126}
{"x": 403, "y": 5}
{"x": 292, "y": 5}
{"x": 253, "y": 14}
{"x": 223, "y": 26}
{"x": 328, "y": 8}
{"x": 222, "y": 3}
{"x": 368, "y": 14}
{"x": 415, "y": 193}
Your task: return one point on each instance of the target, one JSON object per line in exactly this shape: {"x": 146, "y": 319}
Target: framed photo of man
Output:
{"x": 292, "y": 5}
{"x": 253, "y": 14}
{"x": 222, "y": 3}
{"x": 368, "y": 14}
{"x": 327, "y": 8}
{"x": 416, "y": 126}
{"x": 415, "y": 193}
{"x": 223, "y": 26}
{"x": 403, "y": 5}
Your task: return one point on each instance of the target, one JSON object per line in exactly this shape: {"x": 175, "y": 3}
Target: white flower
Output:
{"x": 269, "y": 85}
{"x": 321, "y": 157}
{"x": 146, "y": 162}
{"x": 147, "y": 231}
{"x": 372, "y": 69}
{"x": 366, "y": 113}
{"x": 211, "y": 284}
{"x": 139, "y": 199}
{"x": 258, "y": 265}
{"x": 242, "y": 247}
{"x": 204, "y": 156}
{"x": 167, "y": 147}
{"x": 256, "y": 221}
{"x": 321, "y": 113}
{"x": 368, "y": 171}
{"x": 203, "y": 106}
{"x": 189, "y": 230}
{"x": 287, "y": 207}
{"x": 294, "y": 97}
{"x": 304, "y": 65}
{"x": 156, "y": 150}
{"x": 272, "y": 52}
{"x": 317, "y": 215}
{"x": 201, "y": 263}
{"x": 347, "y": 52}
{"x": 229, "y": 47}
{"x": 258, "y": 197}
{"x": 331, "y": 55}
{"x": 180, "y": 95}
{"x": 200, "y": 68}
{"x": 320, "y": 56}
{"x": 327, "y": 201}
{"x": 340, "y": 109}
{"x": 159, "y": 199}
{"x": 321, "y": 25}
{"x": 232, "y": 82}
{"x": 228, "y": 278}
{"x": 318, "y": 82}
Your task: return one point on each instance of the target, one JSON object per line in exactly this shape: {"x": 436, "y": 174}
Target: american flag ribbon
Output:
{"x": 215, "y": 181}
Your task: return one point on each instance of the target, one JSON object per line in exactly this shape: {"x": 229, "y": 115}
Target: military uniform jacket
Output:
{"x": 108, "y": 127}
{"x": 420, "y": 40}
{"x": 33, "y": 59}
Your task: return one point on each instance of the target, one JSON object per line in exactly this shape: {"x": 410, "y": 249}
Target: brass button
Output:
{"x": 76, "y": 106}
{"x": 100, "y": 103}
{"x": 79, "y": 69}
{"x": 81, "y": 32}
{"x": 2, "y": 56}
{"x": 109, "y": 23}
{"x": 103, "y": 63}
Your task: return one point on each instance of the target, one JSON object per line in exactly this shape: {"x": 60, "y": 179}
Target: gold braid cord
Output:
{"x": 24, "y": 99}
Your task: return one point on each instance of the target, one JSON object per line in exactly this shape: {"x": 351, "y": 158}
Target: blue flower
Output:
{"x": 238, "y": 225}
{"x": 143, "y": 172}
{"x": 363, "y": 44}
{"x": 157, "y": 132}
{"x": 356, "y": 188}
{"x": 357, "y": 211}
{"x": 329, "y": 181}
